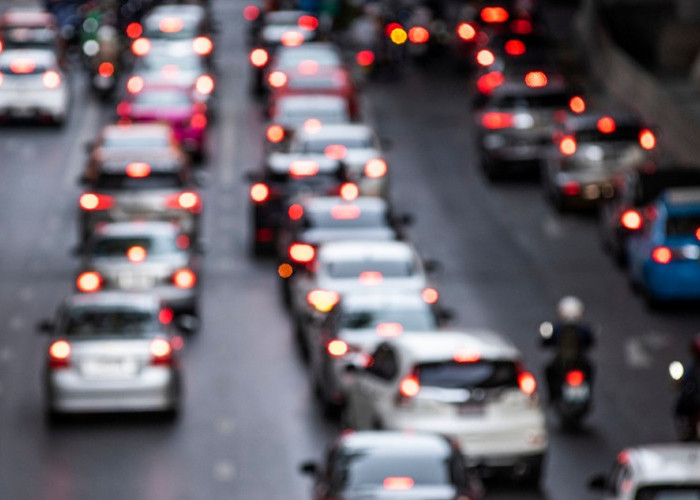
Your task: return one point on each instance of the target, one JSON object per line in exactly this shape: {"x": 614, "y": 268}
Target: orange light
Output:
{"x": 662, "y": 255}
{"x": 204, "y": 84}
{"x": 398, "y": 483}
{"x": 105, "y": 69}
{"x": 259, "y": 192}
{"x": 418, "y": 34}
{"x": 606, "y": 125}
{"x": 89, "y": 281}
{"x": 466, "y": 356}
{"x": 295, "y": 211}
{"x": 308, "y": 23}
{"x": 166, "y": 315}
{"x": 135, "y": 84}
{"x": 631, "y": 219}
{"x": 335, "y": 151}
{"x": 303, "y": 168}
{"x": 647, "y": 139}
{"x": 51, "y": 80}
{"x": 527, "y": 382}
{"x": 277, "y": 79}
{"x": 697, "y": 233}
{"x": 486, "y": 83}
{"x": 515, "y": 48}
{"x": 171, "y": 25}
{"x": 337, "y": 348}
{"x": 349, "y": 191}
{"x": 160, "y": 348}
{"x": 285, "y": 270}
{"x": 577, "y": 104}
{"x": 251, "y": 12}
{"x": 184, "y": 279}
{"x": 22, "y": 66}
{"x": 375, "y": 168}
{"x": 134, "y": 30}
{"x": 141, "y": 46}
{"x": 398, "y": 36}
{"x": 485, "y": 57}
{"x": 409, "y": 386}
{"x": 302, "y": 253}
{"x": 494, "y": 15}
{"x": 365, "y": 58}
{"x": 571, "y": 188}
{"x": 312, "y": 126}
{"x": 389, "y": 330}
{"x": 275, "y": 133}
{"x": 188, "y": 200}
{"x": 466, "y": 32}
{"x": 536, "y": 79}
{"x": 323, "y": 300}
{"x": 136, "y": 254}
{"x": 568, "y": 145}
{"x": 258, "y": 57}
{"x": 430, "y": 295}
{"x": 345, "y": 212}
{"x": 292, "y": 38}
{"x": 138, "y": 169}
{"x": 575, "y": 378}
{"x": 370, "y": 278}
{"x": 92, "y": 201}
{"x": 60, "y": 350}
{"x": 202, "y": 46}
{"x": 198, "y": 121}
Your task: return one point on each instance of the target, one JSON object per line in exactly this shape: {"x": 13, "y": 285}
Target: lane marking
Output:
{"x": 224, "y": 471}
{"x": 636, "y": 354}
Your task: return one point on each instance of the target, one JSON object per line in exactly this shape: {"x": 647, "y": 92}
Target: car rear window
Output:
{"x": 320, "y": 145}
{"x": 118, "y": 182}
{"x": 162, "y": 97}
{"x": 558, "y": 101}
{"x": 136, "y": 142}
{"x": 686, "y": 225}
{"x": 292, "y": 57}
{"x": 316, "y": 82}
{"x": 119, "y": 246}
{"x": 650, "y": 186}
{"x": 621, "y": 134}
{"x": 384, "y": 268}
{"x": 479, "y": 374}
{"x": 110, "y": 322}
{"x": 300, "y": 115}
{"x": 346, "y": 217}
{"x": 367, "y": 470}
{"x": 669, "y": 492}
{"x": 410, "y": 318}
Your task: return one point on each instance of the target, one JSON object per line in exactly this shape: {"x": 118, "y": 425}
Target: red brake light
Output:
{"x": 631, "y": 219}
{"x": 345, "y": 212}
{"x": 124, "y": 110}
{"x": 349, "y": 191}
{"x": 166, "y": 315}
{"x": 251, "y": 12}
{"x": 51, "y": 80}
{"x": 485, "y": 57}
{"x": 662, "y": 255}
{"x": 430, "y": 295}
{"x": 647, "y": 139}
{"x": 59, "y": 354}
{"x": 575, "y": 378}
{"x": 312, "y": 126}
{"x": 375, "y": 168}
{"x": 322, "y": 300}
{"x": 204, "y": 85}
{"x": 486, "y": 83}
{"x": 409, "y": 386}
{"x": 141, "y": 46}
{"x": 371, "y": 278}
{"x": 258, "y": 57}
{"x": 198, "y": 121}
{"x": 365, "y": 58}
{"x": 187, "y": 200}
{"x": 136, "y": 254}
{"x": 277, "y": 79}
{"x": 301, "y": 253}
{"x": 259, "y": 192}
{"x": 92, "y": 201}
{"x": 308, "y": 23}
{"x": 105, "y": 69}
{"x": 275, "y": 133}
{"x": 521, "y": 26}
{"x": 88, "y": 281}
{"x": 134, "y": 30}
{"x": 292, "y": 39}
{"x": 138, "y": 169}
{"x": 398, "y": 483}
{"x": 515, "y": 48}
{"x": 389, "y": 329}
{"x": 418, "y": 34}
{"x": 295, "y": 211}
{"x": 571, "y": 188}
{"x": 335, "y": 151}
{"x": 536, "y": 79}
{"x": 135, "y": 84}
{"x": 494, "y": 15}
{"x": 606, "y": 125}
{"x": 466, "y": 356}
{"x": 161, "y": 350}
{"x": 171, "y": 25}
{"x": 22, "y": 66}
{"x": 303, "y": 168}
{"x": 568, "y": 145}
{"x": 577, "y": 104}
{"x": 308, "y": 67}
{"x": 202, "y": 46}
{"x": 337, "y": 348}
{"x": 466, "y": 32}
{"x": 184, "y": 278}
{"x": 527, "y": 382}
{"x": 497, "y": 120}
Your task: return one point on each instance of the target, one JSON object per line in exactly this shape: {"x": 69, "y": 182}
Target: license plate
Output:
{"x": 130, "y": 281}
{"x": 470, "y": 409}
{"x": 109, "y": 368}
{"x": 576, "y": 394}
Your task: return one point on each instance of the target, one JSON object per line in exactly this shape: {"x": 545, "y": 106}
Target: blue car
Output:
{"x": 664, "y": 256}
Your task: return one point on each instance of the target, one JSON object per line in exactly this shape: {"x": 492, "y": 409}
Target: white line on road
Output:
{"x": 636, "y": 354}
{"x": 76, "y": 155}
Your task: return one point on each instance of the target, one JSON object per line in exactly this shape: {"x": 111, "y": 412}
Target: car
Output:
{"x": 516, "y": 124}
{"x": 591, "y": 149}
{"x": 143, "y": 256}
{"x": 33, "y": 86}
{"x": 295, "y": 111}
{"x": 167, "y": 103}
{"x": 30, "y": 28}
{"x": 652, "y": 471}
{"x": 122, "y": 190}
{"x": 111, "y": 352}
{"x": 357, "y": 145}
{"x": 470, "y": 385}
{"x": 283, "y": 177}
{"x": 354, "y": 327}
{"x": 663, "y": 255}
{"x": 305, "y": 55}
{"x": 376, "y": 465}
{"x": 635, "y": 190}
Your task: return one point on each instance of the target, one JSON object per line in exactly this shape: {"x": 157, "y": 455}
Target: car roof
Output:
{"x": 326, "y": 203}
{"x": 365, "y": 250}
{"x": 338, "y": 130}
{"x": 43, "y": 57}
{"x": 429, "y": 347}
{"x": 280, "y": 163}
{"x": 136, "y": 129}
{"x": 141, "y": 301}
{"x": 386, "y": 299}
{"x": 137, "y": 228}
{"x": 664, "y": 463}
{"x": 395, "y": 443}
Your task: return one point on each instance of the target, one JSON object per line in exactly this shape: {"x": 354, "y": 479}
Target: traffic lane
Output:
{"x": 508, "y": 257}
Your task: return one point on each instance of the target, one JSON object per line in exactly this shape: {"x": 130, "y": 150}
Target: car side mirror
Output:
{"x": 309, "y": 468}
{"x": 598, "y": 483}
{"x": 432, "y": 266}
{"x": 83, "y": 180}
{"x": 252, "y": 176}
{"x": 45, "y": 326}
{"x": 188, "y": 324}
{"x": 386, "y": 144}
{"x": 405, "y": 219}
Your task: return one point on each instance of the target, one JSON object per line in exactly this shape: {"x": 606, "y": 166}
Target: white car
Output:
{"x": 32, "y": 86}
{"x": 653, "y": 472}
{"x": 357, "y": 145}
{"x": 468, "y": 385}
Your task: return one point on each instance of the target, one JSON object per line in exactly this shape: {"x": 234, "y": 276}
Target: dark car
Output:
{"x": 623, "y": 215}
{"x": 393, "y": 465}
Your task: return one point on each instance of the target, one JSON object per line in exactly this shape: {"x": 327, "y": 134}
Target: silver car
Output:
{"x": 143, "y": 256}
{"x": 111, "y": 352}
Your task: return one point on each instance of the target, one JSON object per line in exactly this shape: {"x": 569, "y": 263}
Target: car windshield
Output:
{"x": 410, "y": 318}
{"x": 372, "y": 269}
{"x": 122, "y": 182}
{"x": 650, "y": 186}
{"x": 292, "y": 57}
{"x": 121, "y": 246}
{"x": 683, "y": 225}
{"x": 90, "y": 321}
{"x": 118, "y": 142}
{"x": 320, "y": 145}
{"x": 162, "y": 97}
{"x": 370, "y": 470}
{"x": 534, "y": 101}
{"x": 170, "y": 28}
{"x": 297, "y": 116}
{"x": 669, "y": 492}
{"x": 345, "y": 217}
{"x": 480, "y": 374}
{"x": 169, "y": 64}
{"x": 621, "y": 134}
{"x": 316, "y": 82}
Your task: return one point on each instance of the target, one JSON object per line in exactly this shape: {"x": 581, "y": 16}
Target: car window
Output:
{"x": 621, "y": 134}
{"x": 162, "y": 97}
{"x": 320, "y": 145}
{"x": 481, "y": 374}
{"x": 364, "y": 470}
{"x": 347, "y": 217}
{"x": 669, "y": 492}
{"x": 136, "y": 141}
{"x": 371, "y": 268}
{"x": 118, "y": 182}
{"x": 533, "y": 101}
{"x": 88, "y": 321}
{"x": 384, "y": 363}
{"x": 313, "y": 82}
{"x": 685, "y": 225}
{"x": 410, "y": 318}
{"x": 120, "y": 246}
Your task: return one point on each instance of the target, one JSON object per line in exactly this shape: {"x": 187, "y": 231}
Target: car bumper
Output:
{"x": 677, "y": 280}
{"x": 35, "y": 104}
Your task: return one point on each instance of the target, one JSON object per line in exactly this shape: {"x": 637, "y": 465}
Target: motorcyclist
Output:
{"x": 571, "y": 337}
{"x": 688, "y": 404}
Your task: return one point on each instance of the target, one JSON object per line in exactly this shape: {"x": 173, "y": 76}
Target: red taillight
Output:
{"x": 575, "y": 378}
{"x": 59, "y": 354}
{"x": 568, "y": 145}
{"x": 88, "y": 281}
{"x": 258, "y": 57}
{"x": 527, "y": 382}
{"x": 577, "y": 104}
{"x": 365, "y": 58}
{"x": 187, "y": 200}
{"x": 171, "y": 25}
{"x": 93, "y": 201}
{"x": 349, "y": 191}
{"x": 466, "y": 32}
{"x": 308, "y": 23}
{"x": 606, "y": 125}
{"x": 295, "y": 211}
{"x": 166, "y": 316}
{"x": 521, "y": 26}
{"x": 259, "y": 192}
{"x": 184, "y": 279}
{"x": 647, "y": 139}
{"x": 135, "y": 84}
{"x": 275, "y": 133}
{"x": 409, "y": 387}
{"x": 662, "y": 255}
{"x": 515, "y": 48}
{"x": 251, "y": 12}
{"x": 418, "y": 34}
{"x": 105, "y": 69}
{"x": 303, "y": 168}
{"x": 430, "y": 295}
{"x": 335, "y": 151}
{"x": 536, "y": 79}
{"x": 337, "y": 348}
{"x": 141, "y": 46}
{"x": 138, "y": 169}
{"x": 292, "y": 38}
{"x": 198, "y": 121}
{"x": 375, "y": 168}
{"x": 494, "y": 15}
{"x": 486, "y": 83}
{"x": 134, "y": 30}
{"x": 631, "y": 220}
{"x": 322, "y": 300}
{"x": 161, "y": 352}
{"x": 202, "y": 46}
{"x": 485, "y": 57}
{"x": 123, "y": 109}
{"x": 571, "y": 188}
{"x": 204, "y": 85}
{"x": 51, "y": 79}
{"x": 466, "y": 355}
{"x": 136, "y": 254}
{"x": 277, "y": 79}
{"x": 398, "y": 483}
{"x": 497, "y": 120}
{"x": 301, "y": 253}
{"x": 22, "y": 65}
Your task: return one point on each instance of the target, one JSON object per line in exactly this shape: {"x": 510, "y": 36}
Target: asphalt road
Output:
{"x": 249, "y": 417}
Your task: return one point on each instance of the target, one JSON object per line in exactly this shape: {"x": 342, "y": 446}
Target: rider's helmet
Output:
{"x": 570, "y": 309}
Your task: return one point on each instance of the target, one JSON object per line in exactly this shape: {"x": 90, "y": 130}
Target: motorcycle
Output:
{"x": 687, "y": 411}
